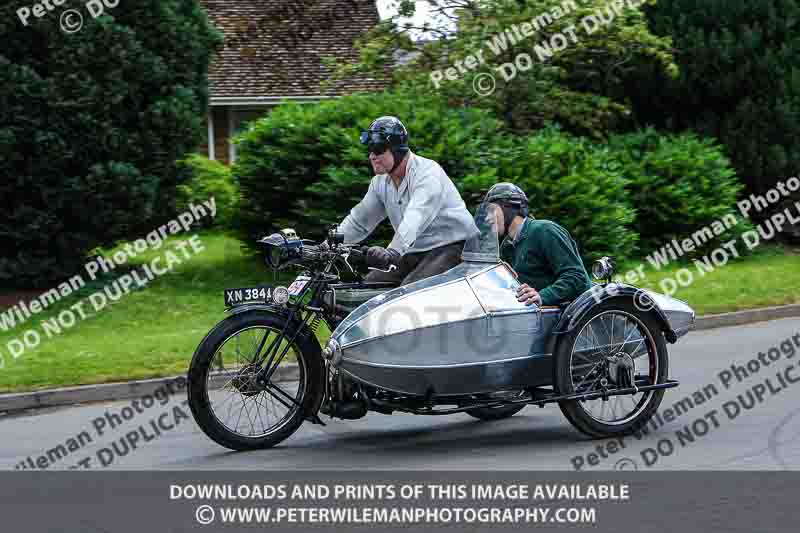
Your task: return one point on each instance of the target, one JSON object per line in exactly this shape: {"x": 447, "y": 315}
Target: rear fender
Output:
{"x": 602, "y": 293}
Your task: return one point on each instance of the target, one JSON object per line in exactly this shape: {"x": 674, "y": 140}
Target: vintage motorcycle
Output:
{"x": 458, "y": 342}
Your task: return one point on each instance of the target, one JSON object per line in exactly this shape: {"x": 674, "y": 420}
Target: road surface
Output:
{"x": 729, "y": 422}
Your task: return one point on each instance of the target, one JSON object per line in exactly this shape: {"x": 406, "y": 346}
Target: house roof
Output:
{"x": 274, "y": 48}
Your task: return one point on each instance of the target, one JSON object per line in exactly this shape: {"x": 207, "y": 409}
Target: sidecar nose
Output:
{"x": 332, "y": 352}
{"x": 679, "y": 314}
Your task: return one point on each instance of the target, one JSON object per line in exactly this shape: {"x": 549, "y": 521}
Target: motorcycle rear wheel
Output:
{"x": 226, "y": 357}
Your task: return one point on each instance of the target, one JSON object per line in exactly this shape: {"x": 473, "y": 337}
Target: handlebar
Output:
{"x": 285, "y": 249}
{"x": 352, "y": 255}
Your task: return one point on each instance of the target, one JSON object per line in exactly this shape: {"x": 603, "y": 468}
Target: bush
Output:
{"x": 90, "y": 126}
{"x": 303, "y": 167}
{"x": 677, "y": 184}
{"x": 571, "y": 182}
{"x": 209, "y": 178}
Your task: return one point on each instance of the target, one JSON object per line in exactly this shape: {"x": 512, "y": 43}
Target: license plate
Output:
{"x": 247, "y": 295}
{"x": 298, "y": 285}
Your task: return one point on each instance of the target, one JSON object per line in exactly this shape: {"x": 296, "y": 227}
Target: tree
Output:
{"x": 533, "y": 61}
{"x": 91, "y": 123}
{"x": 739, "y": 82}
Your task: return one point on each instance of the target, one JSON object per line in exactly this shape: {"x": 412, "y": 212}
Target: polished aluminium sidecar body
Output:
{"x": 464, "y": 332}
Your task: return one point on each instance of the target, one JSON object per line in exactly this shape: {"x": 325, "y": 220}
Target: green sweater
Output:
{"x": 546, "y": 258}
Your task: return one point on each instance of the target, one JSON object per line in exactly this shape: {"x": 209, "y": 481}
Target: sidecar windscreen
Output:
{"x": 484, "y": 247}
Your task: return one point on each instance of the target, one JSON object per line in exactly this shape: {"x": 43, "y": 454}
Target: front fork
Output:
{"x": 265, "y": 372}
{"x": 269, "y": 362}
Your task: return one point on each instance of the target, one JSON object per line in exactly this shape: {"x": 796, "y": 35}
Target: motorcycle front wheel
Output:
{"x": 230, "y": 406}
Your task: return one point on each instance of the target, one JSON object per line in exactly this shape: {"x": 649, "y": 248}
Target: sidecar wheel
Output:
{"x": 242, "y": 415}
{"x": 615, "y": 328}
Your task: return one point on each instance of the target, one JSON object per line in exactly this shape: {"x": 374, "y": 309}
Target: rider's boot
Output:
{"x": 347, "y": 410}
{"x": 350, "y": 408}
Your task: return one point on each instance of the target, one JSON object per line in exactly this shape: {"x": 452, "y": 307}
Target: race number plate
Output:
{"x": 247, "y": 295}
{"x": 298, "y": 285}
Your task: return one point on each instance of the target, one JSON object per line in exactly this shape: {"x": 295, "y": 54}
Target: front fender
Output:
{"x": 603, "y": 292}
{"x": 239, "y": 309}
{"x": 274, "y": 309}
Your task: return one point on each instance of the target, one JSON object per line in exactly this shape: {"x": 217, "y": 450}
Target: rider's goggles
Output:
{"x": 377, "y": 143}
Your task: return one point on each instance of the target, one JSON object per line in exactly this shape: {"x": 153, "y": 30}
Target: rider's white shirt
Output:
{"x": 426, "y": 210}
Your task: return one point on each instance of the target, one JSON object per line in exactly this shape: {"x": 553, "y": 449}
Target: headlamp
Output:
{"x": 280, "y": 295}
{"x": 332, "y": 352}
{"x": 603, "y": 269}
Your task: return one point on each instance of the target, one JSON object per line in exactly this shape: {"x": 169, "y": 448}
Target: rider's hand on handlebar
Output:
{"x": 357, "y": 256}
{"x": 382, "y": 258}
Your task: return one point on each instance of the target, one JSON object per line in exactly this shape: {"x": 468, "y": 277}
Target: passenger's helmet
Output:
{"x": 387, "y": 132}
{"x": 511, "y": 199}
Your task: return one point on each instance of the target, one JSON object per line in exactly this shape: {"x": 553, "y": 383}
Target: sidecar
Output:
{"x": 458, "y": 342}
{"x": 463, "y": 332}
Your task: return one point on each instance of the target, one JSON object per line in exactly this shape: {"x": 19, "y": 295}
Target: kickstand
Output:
{"x": 315, "y": 420}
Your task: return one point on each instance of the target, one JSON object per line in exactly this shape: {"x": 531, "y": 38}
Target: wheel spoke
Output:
{"x": 249, "y": 418}
{"x": 608, "y": 333}
{"x": 587, "y": 376}
{"x": 261, "y": 410}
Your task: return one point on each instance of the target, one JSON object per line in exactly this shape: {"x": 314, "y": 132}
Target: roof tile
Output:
{"x": 275, "y": 47}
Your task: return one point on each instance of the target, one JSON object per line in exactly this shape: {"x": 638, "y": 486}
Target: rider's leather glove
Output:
{"x": 379, "y": 257}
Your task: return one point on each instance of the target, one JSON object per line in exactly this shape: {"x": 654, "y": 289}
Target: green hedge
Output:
{"x": 569, "y": 181}
{"x": 677, "y": 184}
{"x": 302, "y": 167}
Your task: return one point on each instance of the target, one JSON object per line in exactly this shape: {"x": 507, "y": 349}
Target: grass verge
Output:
{"x": 147, "y": 333}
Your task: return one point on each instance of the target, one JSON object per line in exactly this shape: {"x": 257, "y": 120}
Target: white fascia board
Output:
{"x": 265, "y": 100}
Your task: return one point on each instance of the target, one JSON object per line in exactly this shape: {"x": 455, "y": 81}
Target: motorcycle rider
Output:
{"x": 430, "y": 219}
{"x": 543, "y": 253}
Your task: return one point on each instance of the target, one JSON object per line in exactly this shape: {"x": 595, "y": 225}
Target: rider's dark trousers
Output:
{"x": 417, "y": 266}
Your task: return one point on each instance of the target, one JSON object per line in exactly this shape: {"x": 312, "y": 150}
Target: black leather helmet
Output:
{"x": 387, "y": 132}
{"x": 511, "y": 199}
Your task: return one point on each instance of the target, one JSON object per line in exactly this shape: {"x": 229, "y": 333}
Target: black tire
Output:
{"x": 311, "y": 381}
{"x": 574, "y": 410}
{"x": 495, "y": 413}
